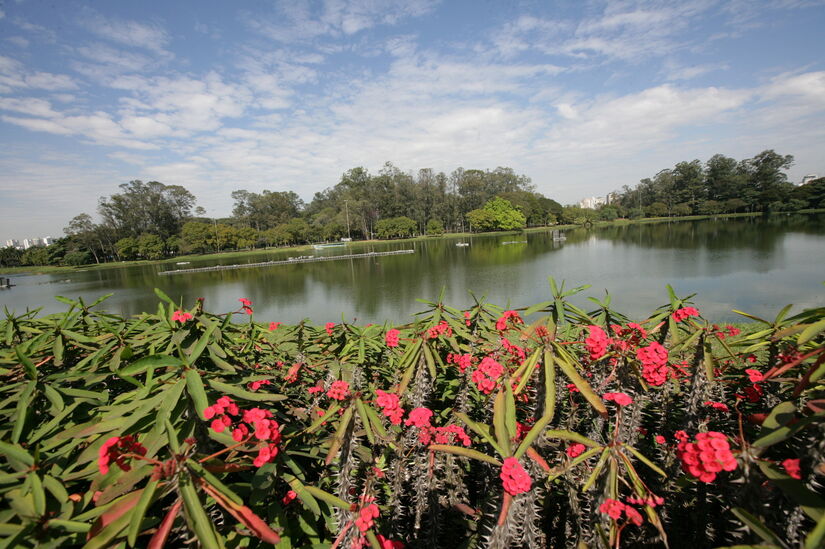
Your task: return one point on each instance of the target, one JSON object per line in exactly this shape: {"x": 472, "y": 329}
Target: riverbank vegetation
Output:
{"x": 152, "y": 221}
{"x": 549, "y": 426}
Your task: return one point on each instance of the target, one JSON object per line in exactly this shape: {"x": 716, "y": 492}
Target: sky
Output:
{"x": 582, "y": 96}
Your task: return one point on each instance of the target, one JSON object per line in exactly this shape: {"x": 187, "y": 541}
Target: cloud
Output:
{"x": 306, "y": 20}
{"x": 13, "y": 75}
{"x": 149, "y": 36}
{"x": 18, "y": 41}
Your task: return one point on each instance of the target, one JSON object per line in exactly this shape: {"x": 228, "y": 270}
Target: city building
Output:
{"x": 808, "y": 178}
{"x": 12, "y": 243}
{"x": 592, "y": 202}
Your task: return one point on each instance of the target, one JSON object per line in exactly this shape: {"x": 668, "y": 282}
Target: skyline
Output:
{"x": 582, "y": 97}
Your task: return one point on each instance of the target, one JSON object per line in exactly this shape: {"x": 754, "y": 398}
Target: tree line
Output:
{"x": 153, "y": 220}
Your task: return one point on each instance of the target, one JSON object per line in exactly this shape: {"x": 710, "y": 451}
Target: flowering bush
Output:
{"x": 544, "y": 427}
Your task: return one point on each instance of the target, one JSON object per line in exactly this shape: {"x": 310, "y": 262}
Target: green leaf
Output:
{"x": 645, "y": 460}
{"x": 365, "y": 420}
{"x": 811, "y": 331}
{"x": 149, "y": 362}
{"x": 583, "y": 386}
{"x": 28, "y": 365}
{"x": 139, "y": 511}
{"x": 236, "y": 391}
{"x": 466, "y": 452}
{"x": 816, "y": 538}
{"x": 757, "y": 526}
{"x": 195, "y": 512}
{"x": 335, "y": 501}
{"x": 196, "y": 351}
{"x": 500, "y": 423}
{"x": 194, "y": 386}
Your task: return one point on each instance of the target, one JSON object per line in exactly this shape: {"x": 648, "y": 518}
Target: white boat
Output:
{"x": 462, "y": 244}
{"x": 182, "y": 263}
{"x": 324, "y": 246}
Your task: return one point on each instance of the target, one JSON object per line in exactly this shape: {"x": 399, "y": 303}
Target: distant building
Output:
{"x": 31, "y": 242}
{"x": 48, "y": 241}
{"x": 12, "y": 243}
{"x": 592, "y": 202}
{"x": 808, "y": 178}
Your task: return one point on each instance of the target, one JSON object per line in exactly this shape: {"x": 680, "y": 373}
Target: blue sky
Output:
{"x": 581, "y": 96}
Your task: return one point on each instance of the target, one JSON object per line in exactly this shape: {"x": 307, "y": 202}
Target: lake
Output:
{"x": 753, "y": 264}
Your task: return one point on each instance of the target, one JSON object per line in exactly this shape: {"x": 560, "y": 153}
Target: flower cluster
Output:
{"x": 444, "y": 435}
{"x": 180, "y": 316}
{"x": 755, "y": 391}
{"x": 791, "y": 467}
{"x": 256, "y": 421}
{"x": 328, "y": 327}
{"x": 391, "y": 338}
{"x": 365, "y": 517}
{"x": 622, "y": 399}
{"x": 596, "y": 342}
{"x": 654, "y": 363}
{"x": 390, "y": 406}
{"x": 255, "y": 385}
{"x": 118, "y": 450}
{"x": 462, "y": 361}
{"x": 614, "y": 510}
{"x": 274, "y": 326}
{"x": 721, "y": 406}
{"x": 518, "y": 353}
{"x": 575, "y": 450}
{"x": 419, "y": 417}
{"x": 501, "y": 323}
{"x": 514, "y": 478}
{"x": 486, "y": 375}
{"x": 442, "y": 328}
{"x": 339, "y": 390}
{"x": 246, "y": 305}
{"x": 706, "y": 457}
{"x": 684, "y": 313}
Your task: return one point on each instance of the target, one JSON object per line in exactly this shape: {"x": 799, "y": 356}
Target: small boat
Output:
{"x": 324, "y": 246}
{"x": 182, "y": 263}
{"x": 559, "y": 236}
{"x": 462, "y": 244}
{"x": 514, "y": 242}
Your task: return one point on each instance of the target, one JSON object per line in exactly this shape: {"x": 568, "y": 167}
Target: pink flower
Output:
{"x": 390, "y": 404}
{"x": 255, "y": 385}
{"x": 388, "y": 543}
{"x": 462, "y": 361}
{"x": 612, "y": 508}
{"x": 596, "y": 342}
{"x": 365, "y": 517}
{"x": 791, "y": 466}
{"x": 575, "y": 450}
{"x": 654, "y": 363}
{"x": 514, "y": 478}
{"x": 290, "y": 495}
{"x": 501, "y": 323}
{"x": 391, "y": 339}
{"x": 181, "y": 316}
{"x": 721, "y": 406}
{"x": 117, "y": 449}
{"x": 265, "y": 455}
{"x": 274, "y": 326}
{"x": 659, "y": 439}
{"x": 706, "y": 457}
{"x": 633, "y": 515}
{"x": 622, "y": 399}
{"x": 680, "y": 435}
{"x": 684, "y": 313}
{"x": 328, "y": 327}
{"x": 419, "y": 417}
{"x": 755, "y": 375}
{"x": 338, "y": 390}
{"x": 246, "y": 305}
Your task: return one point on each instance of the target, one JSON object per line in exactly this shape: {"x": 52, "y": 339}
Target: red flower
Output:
{"x": 365, "y": 517}
{"x": 388, "y": 543}
{"x": 255, "y": 385}
{"x": 621, "y": 399}
{"x": 612, "y": 508}
{"x": 265, "y": 455}
{"x": 462, "y": 361}
{"x": 328, "y": 327}
{"x": 575, "y": 450}
{"x": 291, "y": 495}
{"x": 681, "y": 436}
{"x": 684, "y": 313}
{"x": 792, "y": 468}
{"x": 709, "y": 455}
{"x": 390, "y": 404}
{"x": 633, "y": 515}
{"x": 654, "y": 363}
{"x": 440, "y": 329}
{"x": 514, "y": 478}
{"x": 181, "y": 316}
{"x": 339, "y": 390}
{"x": 419, "y": 417}
{"x": 501, "y": 323}
{"x": 274, "y": 326}
{"x": 117, "y": 449}
{"x": 721, "y": 406}
{"x": 755, "y": 375}
{"x": 659, "y": 439}
{"x": 246, "y": 305}
{"x": 596, "y": 342}
{"x": 391, "y": 339}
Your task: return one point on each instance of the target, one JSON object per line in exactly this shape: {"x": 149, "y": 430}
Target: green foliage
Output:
{"x": 127, "y": 248}
{"x": 395, "y": 227}
{"x": 435, "y": 227}
{"x": 85, "y": 391}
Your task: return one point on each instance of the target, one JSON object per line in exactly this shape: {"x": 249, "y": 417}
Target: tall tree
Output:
{"x": 147, "y": 208}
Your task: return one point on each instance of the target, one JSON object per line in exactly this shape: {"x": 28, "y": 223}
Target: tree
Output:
{"x": 395, "y": 227}
{"x": 766, "y": 176}
{"x": 150, "y": 246}
{"x": 507, "y": 218}
{"x": 657, "y": 209}
{"x": 36, "y": 255}
{"x": 481, "y": 220}
{"x": 266, "y": 210}
{"x": 82, "y": 229}
{"x": 198, "y": 237}
{"x": 435, "y": 227}
{"x": 127, "y": 248}
{"x": 10, "y": 256}
{"x": 147, "y": 208}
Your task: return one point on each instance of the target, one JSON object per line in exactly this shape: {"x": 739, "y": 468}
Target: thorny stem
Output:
{"x": 227, "y": 449}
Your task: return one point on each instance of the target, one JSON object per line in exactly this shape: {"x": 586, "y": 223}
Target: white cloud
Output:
{"x": 18, "y": 41}
{"x": 150, "y": 36}
{"x": 13, "y": 75}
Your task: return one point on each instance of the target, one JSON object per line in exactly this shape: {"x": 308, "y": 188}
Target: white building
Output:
{"x": 12, "y": 243}
{"x": 808, "y": 178}
{"x": 48, "y": 241}
{"x": 592, "y": 202}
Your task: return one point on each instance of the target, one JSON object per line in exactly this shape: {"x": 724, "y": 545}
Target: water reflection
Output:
{"x": 753, "y": 264}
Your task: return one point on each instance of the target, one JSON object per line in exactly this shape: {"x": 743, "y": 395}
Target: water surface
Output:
{"x": 752, "y": 264}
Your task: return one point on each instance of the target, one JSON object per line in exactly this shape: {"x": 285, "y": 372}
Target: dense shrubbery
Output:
{"x": 462, "y": 429}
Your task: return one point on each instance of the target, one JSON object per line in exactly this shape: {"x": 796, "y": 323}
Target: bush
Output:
{"x": 464, "y": 427}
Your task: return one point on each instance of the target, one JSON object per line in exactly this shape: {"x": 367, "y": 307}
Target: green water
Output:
{"x": 753, "y": 264}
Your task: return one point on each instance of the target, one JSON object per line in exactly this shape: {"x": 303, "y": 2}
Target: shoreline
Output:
{"x": 48, "y": 269}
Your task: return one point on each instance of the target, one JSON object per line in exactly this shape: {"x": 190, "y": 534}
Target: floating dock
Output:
{"x": 292, "y": 261}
